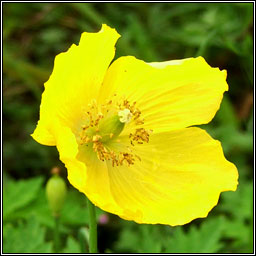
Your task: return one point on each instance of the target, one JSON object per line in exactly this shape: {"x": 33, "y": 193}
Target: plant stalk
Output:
{"x": 92, "y": 227}
{"x": 57, "y": 234}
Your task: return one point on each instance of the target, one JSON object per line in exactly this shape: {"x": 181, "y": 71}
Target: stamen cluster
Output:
{"x": 91, "y": 132}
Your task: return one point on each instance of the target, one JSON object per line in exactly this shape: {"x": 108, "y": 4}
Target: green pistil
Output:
{"x": 110, "y": 128}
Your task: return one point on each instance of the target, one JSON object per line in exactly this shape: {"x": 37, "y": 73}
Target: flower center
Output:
{"x": 103, "y": 123}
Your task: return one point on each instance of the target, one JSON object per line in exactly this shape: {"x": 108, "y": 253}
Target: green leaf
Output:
{"x": 232, "y": 226}
{"x": 128, "y": 241}
{"x": 240, "y": 203}
{"x": 72, "y": 246}
{"x": 240, "y": 233}
{"x": 226, "y": 113}
{"x": 18, "y": 194}
{"x": 140, "y": 239}
{"x": 75, "y": 211}
{"x": 205, "y": 239}
{"x": 38, "y": 209}
{"x": 27, "y": 237}
{"x": 150, "y": 242}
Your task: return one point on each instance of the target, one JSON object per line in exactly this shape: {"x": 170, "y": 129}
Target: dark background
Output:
{"x": 34, "y": 33}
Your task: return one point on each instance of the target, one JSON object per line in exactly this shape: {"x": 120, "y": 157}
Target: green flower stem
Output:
{"x": 92, "y": 227}
{"x": 57, "y": 234}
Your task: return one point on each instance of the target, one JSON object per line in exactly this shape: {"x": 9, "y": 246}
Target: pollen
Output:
{"x": 140, "y": 135}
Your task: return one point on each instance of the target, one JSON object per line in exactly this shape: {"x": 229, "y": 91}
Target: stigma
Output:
{"x": 125, "y": 116}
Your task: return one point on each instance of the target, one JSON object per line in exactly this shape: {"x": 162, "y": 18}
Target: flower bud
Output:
{"x": 56, "y": 191}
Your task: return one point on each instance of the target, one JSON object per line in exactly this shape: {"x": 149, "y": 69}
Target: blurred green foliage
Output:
{"x": 33, "y": 33}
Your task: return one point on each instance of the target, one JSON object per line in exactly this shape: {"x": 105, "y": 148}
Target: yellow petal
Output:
{"x": 75, "y": 81}
{"x": 97, "y": 186}
{"x": 179, "y": 178}
{"x": 43, "y": 135}
{"x": 67, "y": 146}
{"x": 164, "y": 64}
{"x": 85, "y": 171}
{"x": 171, "y": 95}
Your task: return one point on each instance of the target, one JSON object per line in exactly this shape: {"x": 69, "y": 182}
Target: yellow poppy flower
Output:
{"x": 124, "y": 131}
